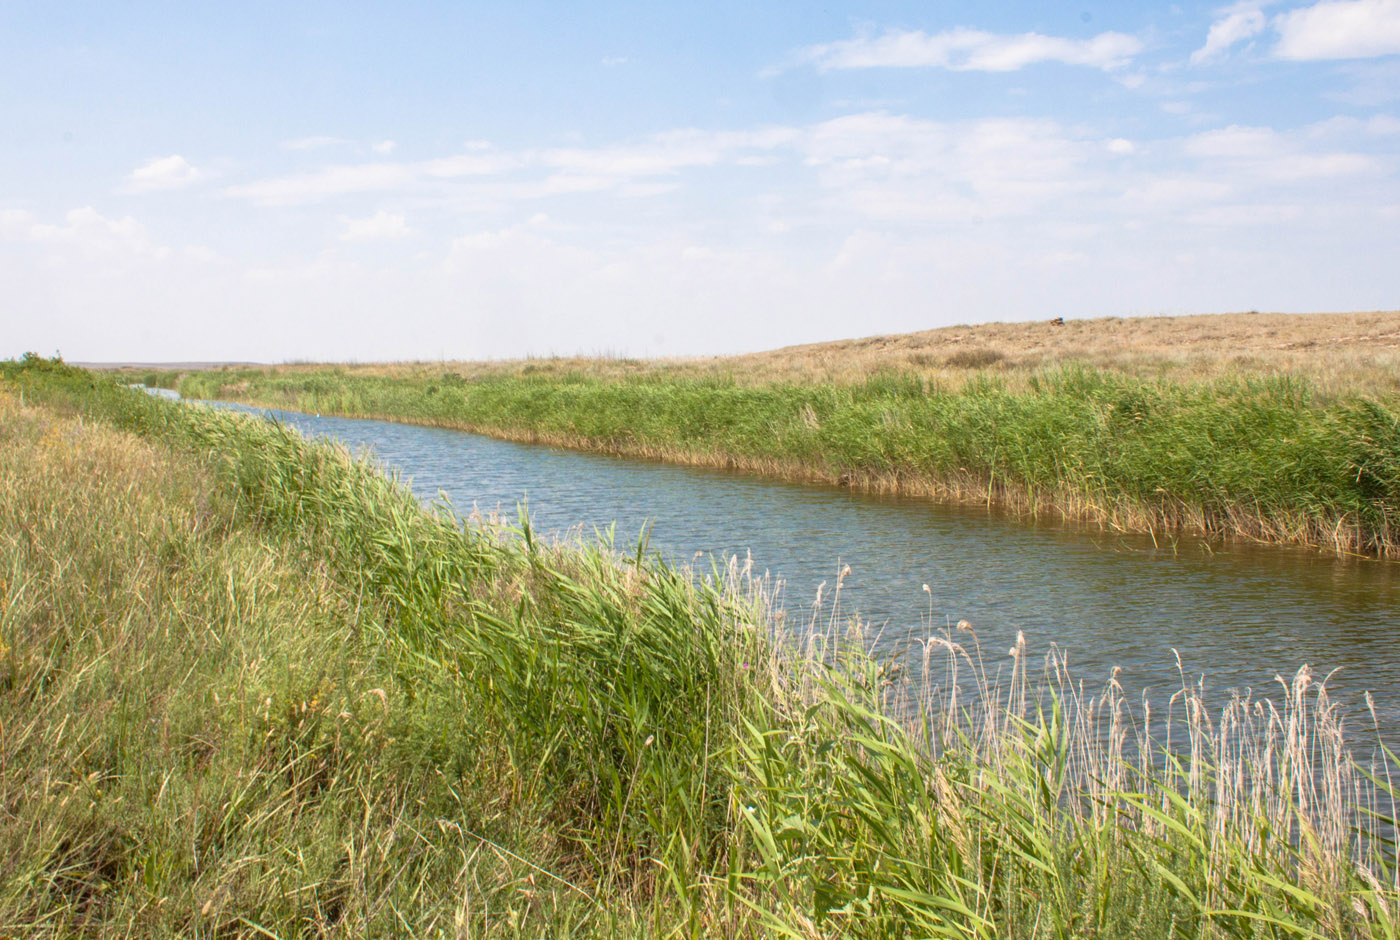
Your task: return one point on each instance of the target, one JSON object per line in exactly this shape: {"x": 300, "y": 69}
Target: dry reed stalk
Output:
{"x": 1268, "y": 778}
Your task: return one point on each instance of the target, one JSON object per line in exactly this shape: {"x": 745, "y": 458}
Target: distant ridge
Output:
{"x": 114, "y": 366}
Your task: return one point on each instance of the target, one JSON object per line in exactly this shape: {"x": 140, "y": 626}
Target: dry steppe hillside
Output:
{"x": 1338, "y": 352}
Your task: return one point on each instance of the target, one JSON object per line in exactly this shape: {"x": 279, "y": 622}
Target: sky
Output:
{"x": 350, "y": 181}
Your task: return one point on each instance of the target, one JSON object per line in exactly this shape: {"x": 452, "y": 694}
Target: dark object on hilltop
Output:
{"x": 1058, "y": 321}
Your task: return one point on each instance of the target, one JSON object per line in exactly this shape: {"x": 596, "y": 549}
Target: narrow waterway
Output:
{"x": 1237, "y": 613}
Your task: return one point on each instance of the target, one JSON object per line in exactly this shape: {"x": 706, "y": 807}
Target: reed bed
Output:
{"x": 1264, "y": 459}
{"x": 252, "y": 687}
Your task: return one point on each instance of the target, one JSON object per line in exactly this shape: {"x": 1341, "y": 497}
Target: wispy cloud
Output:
{"x": 477, "y": 161}
{"x": 383, "y": 146}
{"x": 86, "y": 230}
{"x": 896, "y": 168}
{"x": 172, "y": 172}
{"x": 325, "y": 183}
{"x": 1339, "y": 29}
{"x": 1262, "y": 154}
{"x": 527, "y": 173}
{"x": 661, "y": 154}
{"x": 882, "y": 168}
{"x": 964, "y": 49}
{"x": 1234, "y": 24}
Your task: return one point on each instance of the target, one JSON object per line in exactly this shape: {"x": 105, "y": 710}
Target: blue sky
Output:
{"x": 427, "y": 180}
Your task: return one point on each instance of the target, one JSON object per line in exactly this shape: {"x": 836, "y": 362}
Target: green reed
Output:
{"x": 251, "y": 686}
{"x": 1263, "y": 458}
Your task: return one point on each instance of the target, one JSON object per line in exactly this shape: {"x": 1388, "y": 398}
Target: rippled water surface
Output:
{"x": 1238, "y": 613}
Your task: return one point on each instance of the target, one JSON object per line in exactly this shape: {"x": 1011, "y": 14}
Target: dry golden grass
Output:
{"x": 1338, "y": 352}
{"x": 1342, "y": 351}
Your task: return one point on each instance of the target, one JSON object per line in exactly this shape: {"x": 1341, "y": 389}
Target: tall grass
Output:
{"x": 1260, "y": 458}
{"x": 254, "y": 688}
{"x": 535, "y": 722}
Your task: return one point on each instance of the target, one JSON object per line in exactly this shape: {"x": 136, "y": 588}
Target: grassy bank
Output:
{"x": 253, "y": 686}
{"x": 249, "y": 687}
{"x": 1262, "y": 458}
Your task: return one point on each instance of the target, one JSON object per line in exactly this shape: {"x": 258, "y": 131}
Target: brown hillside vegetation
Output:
{"x": 1339, "y": 352}
{"x": 1337, "y": 348}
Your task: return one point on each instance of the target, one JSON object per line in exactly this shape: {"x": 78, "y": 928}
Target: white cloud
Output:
{"x": 475, "y": 163}
{"x": 1262, "y": 153}
{"x": 312, "y": 143}
{"x": 381, "y": 225}
{"x": 85, "y": 230}
{"x": 872, "y": 167}
{"x": 964, "y": 49}
{"x": 161, "y": 173}
{"x": 614, "y": 60}
{"x": 555, "y": 171}
{"x": 900, "y": 168}
{"x": 1235, "y": 24}
{"x": 89, "y": 229}
{"x": 383, "y": 146}
{"x": 1339, "y": 29}
{"x": 1234, "y": 142}
{"x": 322, "y": 184}
{"x": 905, "y": 171}
{"x": 663, "y": 154}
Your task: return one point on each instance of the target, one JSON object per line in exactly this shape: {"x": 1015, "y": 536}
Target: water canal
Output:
{"x": 1237, "y": 613}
